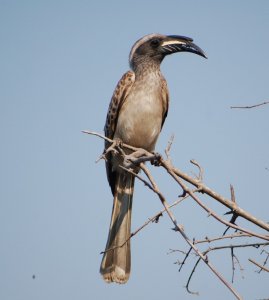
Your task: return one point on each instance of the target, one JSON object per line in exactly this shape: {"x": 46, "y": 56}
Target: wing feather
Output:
{"x": 121, "y": 92}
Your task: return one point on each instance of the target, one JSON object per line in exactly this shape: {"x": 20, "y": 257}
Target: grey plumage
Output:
{"x": 136, "y": 114}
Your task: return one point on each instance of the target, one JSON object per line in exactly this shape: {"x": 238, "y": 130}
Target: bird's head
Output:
{"x": 154, "y": 47}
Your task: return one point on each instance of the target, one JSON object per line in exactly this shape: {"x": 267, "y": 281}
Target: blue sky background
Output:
{"x": 59, "y": 64}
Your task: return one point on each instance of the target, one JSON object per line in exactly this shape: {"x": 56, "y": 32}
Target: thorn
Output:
{"x": 100, "y": 158}
{"x": 184, "y": 193}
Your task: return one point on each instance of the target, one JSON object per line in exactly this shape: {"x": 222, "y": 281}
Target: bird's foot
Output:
{"x": 156, "y": 161}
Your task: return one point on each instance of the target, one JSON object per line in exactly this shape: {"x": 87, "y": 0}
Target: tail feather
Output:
{"x": 116, "y": 262}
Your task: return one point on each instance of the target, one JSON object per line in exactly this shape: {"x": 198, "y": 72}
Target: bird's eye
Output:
{"x": 155, "y": 43}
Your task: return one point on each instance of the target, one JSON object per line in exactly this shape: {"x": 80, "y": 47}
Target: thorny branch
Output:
{"x": 266, "y": 259}
{"x": 179, "y": 228}
{"x": 140, "y": 156}
{"x": 259, "y": 265}
{"x": 223, "y": 237}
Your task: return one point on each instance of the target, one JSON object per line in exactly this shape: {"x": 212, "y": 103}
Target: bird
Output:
{"x": 136, "y": 114}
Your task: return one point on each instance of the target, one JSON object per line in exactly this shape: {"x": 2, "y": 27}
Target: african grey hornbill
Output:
{"x": 136, "y": 114}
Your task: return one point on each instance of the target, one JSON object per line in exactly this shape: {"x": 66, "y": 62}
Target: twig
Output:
{"x": 231, "y": 236}
{"x": 189, "y": 279}
{"x": 267, "y": 257}
{"x": 235, "y": 260}
{"x": 235, "y": 215}
{"x": 201, "y": 170}
{"x": 251, "y": 106}
{"x": 233, "y": 266}
{"x": 255, "y": 245}
{"x": 185, "y": 258}
{"x": 257, "y": 264}
{"x": 240, "y": 267}
{"x": 146, "y": 153}
{"x": 169, "y": 145}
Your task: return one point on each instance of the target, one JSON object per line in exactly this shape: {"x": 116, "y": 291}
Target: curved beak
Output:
{"x": 176, "y": 43}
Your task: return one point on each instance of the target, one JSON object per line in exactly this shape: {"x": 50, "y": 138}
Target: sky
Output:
{"x": 60, "y": 62}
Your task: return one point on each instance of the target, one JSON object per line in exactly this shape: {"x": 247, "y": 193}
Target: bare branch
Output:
{"x": 255, "y": 245}
{"x": 233, "y": 266}
{"x": 169, "y": 145}
{"x": 235, "y": 258}
{"x": 265, "y": 261}
{"x": 223, "y": 237}
{"x": 201, "y": 170}
{"x": 251, "y": 106}
{"x": 257, "y": 264}
{"x": 185, "y": 258}
{"x": 235, "y": 215}
{"x": 190, "y": 277}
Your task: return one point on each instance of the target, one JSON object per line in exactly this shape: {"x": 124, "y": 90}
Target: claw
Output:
{"x": 156, "y": 160}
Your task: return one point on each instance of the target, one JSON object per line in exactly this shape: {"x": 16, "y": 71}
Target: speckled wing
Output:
{"x": 122, "y": 90}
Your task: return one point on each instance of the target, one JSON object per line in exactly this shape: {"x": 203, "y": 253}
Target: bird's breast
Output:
{"x": 140, "y": 118}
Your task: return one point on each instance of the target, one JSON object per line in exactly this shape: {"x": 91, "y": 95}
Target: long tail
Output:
{"x": 116, "y": 262}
